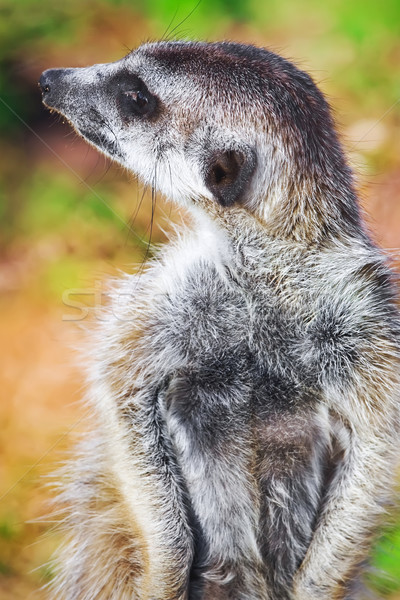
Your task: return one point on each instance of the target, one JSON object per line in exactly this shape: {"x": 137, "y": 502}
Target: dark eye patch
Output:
{"x": 133, "y": 97}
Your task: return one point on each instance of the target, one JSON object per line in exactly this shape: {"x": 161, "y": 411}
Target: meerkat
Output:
{"x": 246, "y": 384}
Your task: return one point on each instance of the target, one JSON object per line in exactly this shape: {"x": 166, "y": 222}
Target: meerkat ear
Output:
{"x": 228, "y": 174}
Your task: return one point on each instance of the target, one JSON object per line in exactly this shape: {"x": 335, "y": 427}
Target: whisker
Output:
{"x": 185, "y": 19}
{"x": 136, "y": 212}
{"x": 153, "y": 204}
{"x": 164, "y": 36}
{"x": 153, "y": 208}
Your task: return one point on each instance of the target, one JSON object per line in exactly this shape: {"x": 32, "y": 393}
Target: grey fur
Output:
{"x": 246, "y": 384}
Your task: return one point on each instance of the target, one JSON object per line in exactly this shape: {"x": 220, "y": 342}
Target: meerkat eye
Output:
{"x": 138, "y": 98}
{"x": 136, "y": 101}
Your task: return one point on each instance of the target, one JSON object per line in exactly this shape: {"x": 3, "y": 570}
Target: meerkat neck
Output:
{"x": 305, "y": 217}
{"x": 313, "y": 213}
{"x": 236, "y": 242}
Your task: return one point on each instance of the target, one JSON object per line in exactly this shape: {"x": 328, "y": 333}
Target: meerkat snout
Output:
{"x": 51, "y": 86}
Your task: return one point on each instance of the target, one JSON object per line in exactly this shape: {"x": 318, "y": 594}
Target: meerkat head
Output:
{"x": 232, "y": 124}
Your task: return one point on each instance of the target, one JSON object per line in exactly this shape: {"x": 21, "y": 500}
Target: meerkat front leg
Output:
{"x": 353, "y": 504}
{"x": 207, "y": 411}
{"x": 346, "y": 524}
{"x": 130, "y": 374}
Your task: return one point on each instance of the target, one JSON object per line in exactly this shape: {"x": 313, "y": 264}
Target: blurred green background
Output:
{"x": 69, "y": 219}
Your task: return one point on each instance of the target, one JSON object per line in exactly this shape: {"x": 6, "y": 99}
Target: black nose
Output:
{"x": 43, "y": 84}
{"x": 48, "y": 79}
{"x": 51, "y": 83}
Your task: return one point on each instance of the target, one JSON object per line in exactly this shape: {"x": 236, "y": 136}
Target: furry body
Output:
{"x": 246, "y": 384}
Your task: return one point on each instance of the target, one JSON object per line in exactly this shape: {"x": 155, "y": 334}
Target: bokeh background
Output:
{"x": 69, "y": 219}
